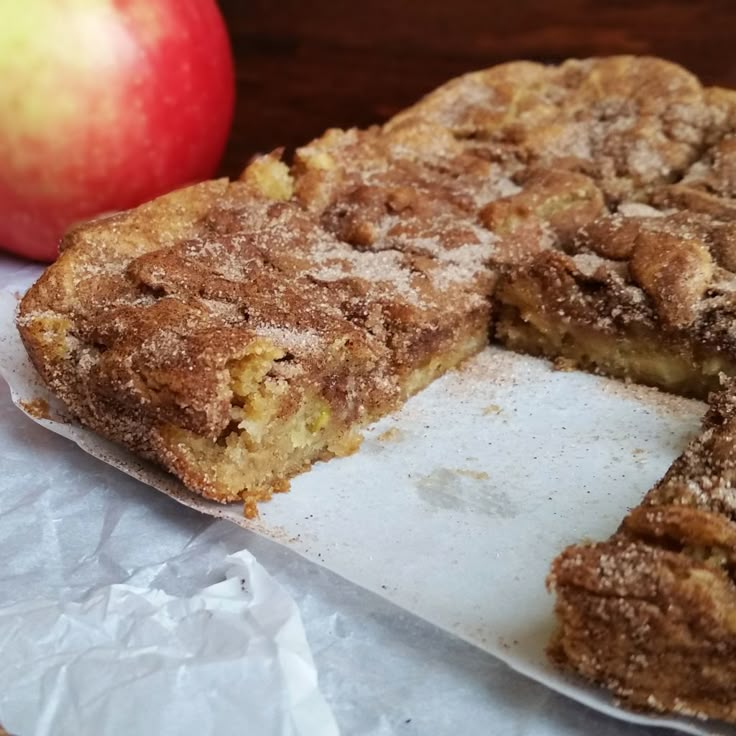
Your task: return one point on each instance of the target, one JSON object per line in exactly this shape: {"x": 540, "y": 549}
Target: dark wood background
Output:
{"x": 305, "y": 65}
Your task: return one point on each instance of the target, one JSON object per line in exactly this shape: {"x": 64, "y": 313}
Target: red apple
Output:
{"x": 103, "y": 105}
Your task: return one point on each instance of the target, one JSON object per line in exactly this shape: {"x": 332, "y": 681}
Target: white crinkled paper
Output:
{"x": 455, "y": 506}
{"x": 232, "y": 659}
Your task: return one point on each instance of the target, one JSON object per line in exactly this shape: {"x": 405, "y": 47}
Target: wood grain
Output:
{"x": 306, "y": 65}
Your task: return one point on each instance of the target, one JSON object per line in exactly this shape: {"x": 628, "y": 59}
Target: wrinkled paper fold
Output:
{"x": 126, "y": 660}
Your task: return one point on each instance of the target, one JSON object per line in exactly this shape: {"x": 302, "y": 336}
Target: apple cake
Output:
{"x": 236, "y": 332}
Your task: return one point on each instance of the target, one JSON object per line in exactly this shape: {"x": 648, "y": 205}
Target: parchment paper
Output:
{"x": 128, "y": 660}
{"x": 454, "y": 507}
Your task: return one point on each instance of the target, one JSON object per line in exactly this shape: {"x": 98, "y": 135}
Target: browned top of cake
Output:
{"x": 628, "y": 122}
{"x": 672, "y": 269}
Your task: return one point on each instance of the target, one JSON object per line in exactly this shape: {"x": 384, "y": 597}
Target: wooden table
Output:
{"x": 306, "y": 65}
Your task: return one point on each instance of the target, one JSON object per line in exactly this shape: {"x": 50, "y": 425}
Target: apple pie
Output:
{"x": 236, "y": 332}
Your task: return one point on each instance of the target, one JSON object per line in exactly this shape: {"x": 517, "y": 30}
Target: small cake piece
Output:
{"x": 651, "y": 613}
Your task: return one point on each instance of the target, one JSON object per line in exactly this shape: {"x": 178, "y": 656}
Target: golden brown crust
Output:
{"x": 630, "y": 122}
{"x": 673, "y": 272}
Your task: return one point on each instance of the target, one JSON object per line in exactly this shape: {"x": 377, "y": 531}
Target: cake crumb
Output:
{"x": 37, "y": 408}
{"x": 393, "y": 434}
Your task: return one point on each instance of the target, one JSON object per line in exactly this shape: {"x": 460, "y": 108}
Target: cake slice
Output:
{"x": 225, "y": 333}
{"x": 651, "y": 613}
{"x": 191, "y": 348}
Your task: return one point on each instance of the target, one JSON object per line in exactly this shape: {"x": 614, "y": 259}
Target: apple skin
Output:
{"x": 105, "y": 104}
